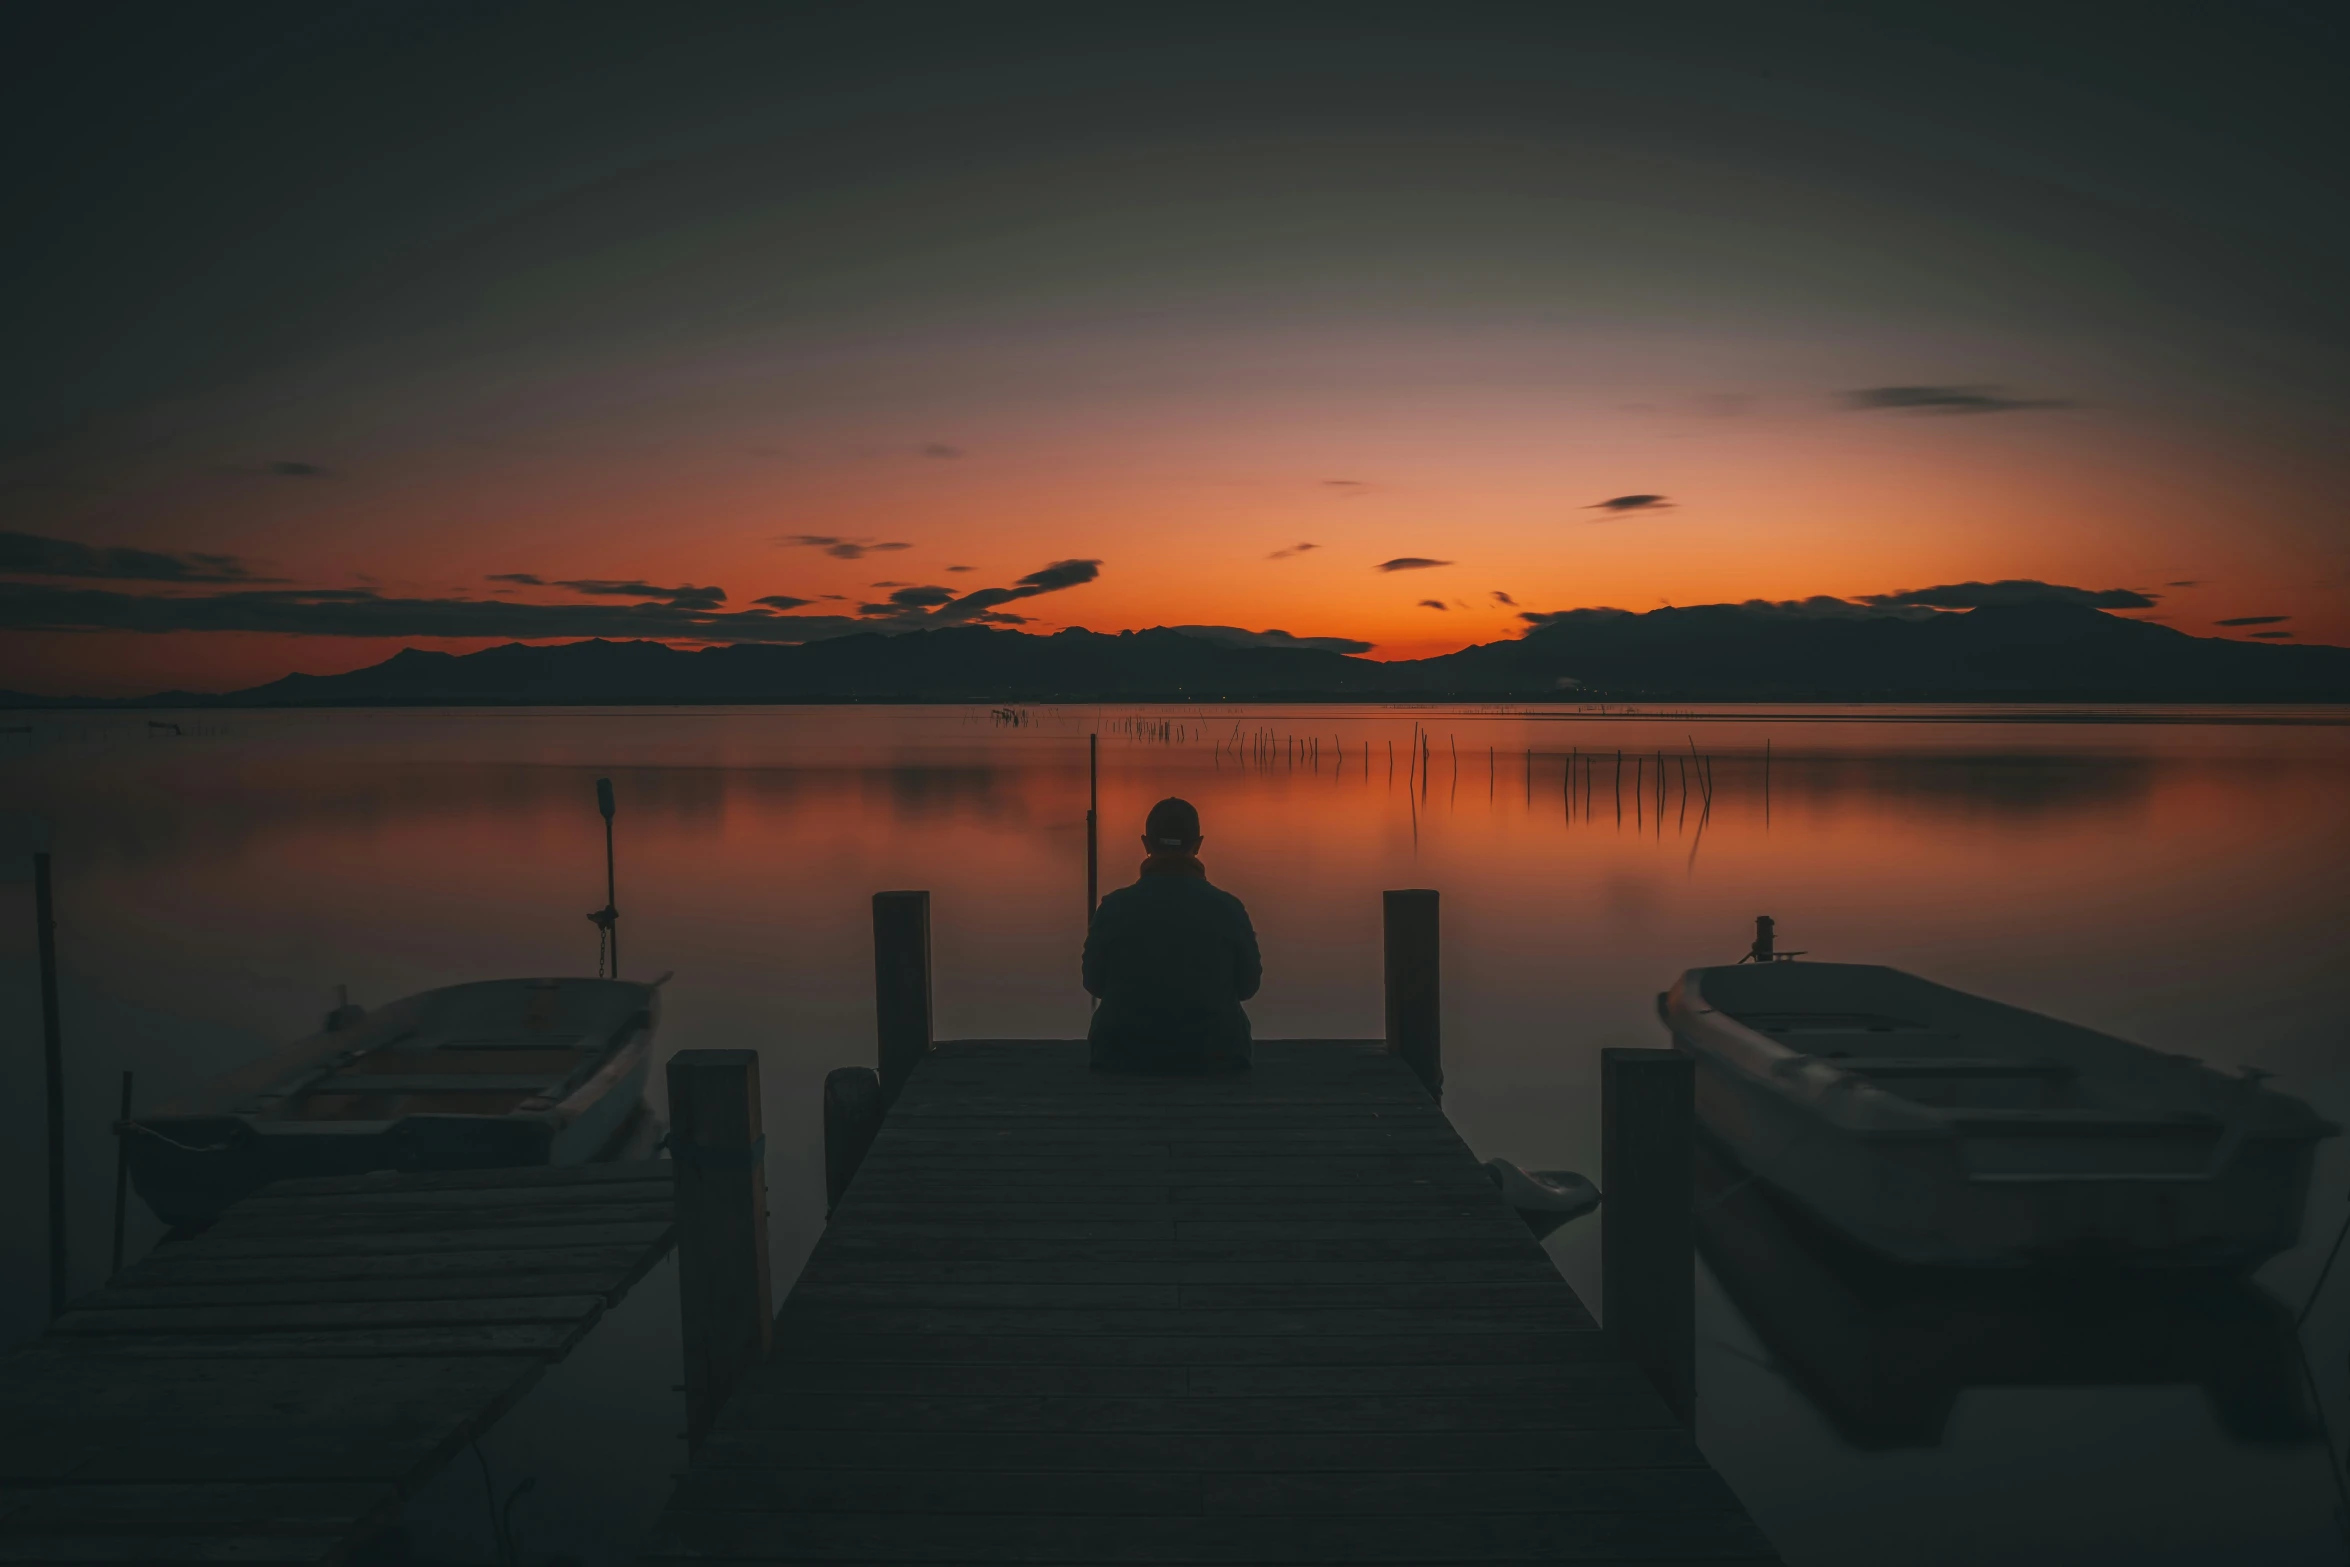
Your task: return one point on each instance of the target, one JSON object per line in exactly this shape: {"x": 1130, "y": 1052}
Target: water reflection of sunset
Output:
{"x": 763, "y": 831}
{"x": 2180, "y": 883}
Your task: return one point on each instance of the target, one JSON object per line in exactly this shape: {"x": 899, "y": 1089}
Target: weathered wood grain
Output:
{"x": 1719, "y": 1535}
{"x": 270, "y": 1390}
{"x": 654, "y": 1236}
{"x": 568, "y": 1176}
{"x": 1274, "y": 1317}
{"x": 201, "y": 1265}
{"x": 280, "y": 1317}
{"x": 443, "y": 1221}
{"x": 460, "y": 1286}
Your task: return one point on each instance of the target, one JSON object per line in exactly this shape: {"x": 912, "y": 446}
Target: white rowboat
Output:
{"x": 1939, "y": 1127}
{"x": 503, "y": 1072}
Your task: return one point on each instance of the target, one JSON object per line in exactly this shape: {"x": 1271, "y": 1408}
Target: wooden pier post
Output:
{"x": 1648, "y": 1305}
{"x": 53, "y": 1065}
{"x": 852, "y": 1114}
{"x": 726, "y": 1300}
{"x": 901, "y": 984}
{"x": 1415, "y": 1025}
{"x": 122, "y": 1171}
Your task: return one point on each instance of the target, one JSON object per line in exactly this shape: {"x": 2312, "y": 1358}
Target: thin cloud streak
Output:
{"x": 362, "y": 612}
{"x": 1945, "y": 400}
{"x": 1625, "y": 505}
{"x": 1235, "y": 636}
{"x": 32, "y": 555}
{"x": 840, "y": 548}
{"x": 2009, "y": 592}
{"x": 687, "y": 596}
{"x": 911, "y": 608}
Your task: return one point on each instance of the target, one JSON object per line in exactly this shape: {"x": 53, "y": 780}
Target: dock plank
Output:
{"x": 1350, "y": 1452}
{"x": 1280, "y": 1316}
{"x": 278, "y": 1317}
{"x": 517, "y": 1212}
{"x": 272, "y": 1390}
{"x": 201, "y": 1266}
{"x": 652, "y": 1235}
{"x": 1715, "y": 1535}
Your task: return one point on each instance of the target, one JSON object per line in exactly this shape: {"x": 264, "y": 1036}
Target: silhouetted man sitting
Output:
{"x": 1172, "y": 958}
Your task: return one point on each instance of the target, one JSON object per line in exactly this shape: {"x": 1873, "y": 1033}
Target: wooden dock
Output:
{"x": 1273, "y": 1317}
{"x": 275, "y": 1390}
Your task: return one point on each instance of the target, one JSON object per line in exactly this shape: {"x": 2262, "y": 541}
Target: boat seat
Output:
{"x": 1828, "y": 1023}
{"x": 1947, "y": 1066}
{"x": 439, "y": 1083}
{"x": 549, "y": 1062}
{"x": 2071, "y": 1123}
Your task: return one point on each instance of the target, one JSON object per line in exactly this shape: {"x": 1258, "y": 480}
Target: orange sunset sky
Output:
{"x": 323, "y": 332}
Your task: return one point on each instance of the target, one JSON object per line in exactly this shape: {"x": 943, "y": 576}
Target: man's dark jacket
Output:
{"x": 1172, "y": 959}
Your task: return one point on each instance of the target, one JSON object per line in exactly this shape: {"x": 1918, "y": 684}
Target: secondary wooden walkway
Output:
{"x": 274, "y": 1390}
{"x": 1276, "y": 1317}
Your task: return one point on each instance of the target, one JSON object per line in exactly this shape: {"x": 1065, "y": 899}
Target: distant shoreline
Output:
{"x": 2035, "y": 653}
{"x": 2006, "y": 708}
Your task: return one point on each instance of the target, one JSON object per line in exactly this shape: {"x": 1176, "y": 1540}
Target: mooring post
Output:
{"x": 53, "y": 1063}
{"x": 720, "y": 1153}
{"x": 607, "y": 919}
{"x": 1647, "y": 1101}
{"x": 122, "y": 1171}
{"x": 1415, "y": 1026}
{"x": 852, "y": 1115}
{"x": 901, "y": 984}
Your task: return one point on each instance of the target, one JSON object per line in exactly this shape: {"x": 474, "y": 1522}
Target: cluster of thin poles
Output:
{"x": 1649, "y": 782}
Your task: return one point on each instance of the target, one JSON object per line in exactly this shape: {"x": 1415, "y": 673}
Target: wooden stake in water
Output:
{"x": 122, "y": 1171}
{"x": 607, "y": 918}
{"x": 1093, "y": 811}
{"x": 53, "y": 1062}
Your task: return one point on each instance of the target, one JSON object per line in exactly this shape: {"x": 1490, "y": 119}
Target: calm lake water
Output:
{"x": 2179, "y": 878}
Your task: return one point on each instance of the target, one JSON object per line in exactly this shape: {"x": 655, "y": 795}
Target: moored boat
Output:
{"x": 500, "y": 1072}
{"x": 1885, "y": 1349}
{"x": 1940, "y": 1127}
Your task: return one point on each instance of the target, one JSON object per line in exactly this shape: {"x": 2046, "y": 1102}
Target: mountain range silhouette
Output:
{"x": 1723, "y": 652}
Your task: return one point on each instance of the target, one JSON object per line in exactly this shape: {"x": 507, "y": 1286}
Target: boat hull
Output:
{"x": 1910, "y": 1197}
{"x": 1974, "y": 1189}
{"x": 191, "y": 1160}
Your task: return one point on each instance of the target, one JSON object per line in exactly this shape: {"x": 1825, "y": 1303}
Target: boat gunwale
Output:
{"x": 315, "y": 1057}
{"x": 1819, "y": 1086}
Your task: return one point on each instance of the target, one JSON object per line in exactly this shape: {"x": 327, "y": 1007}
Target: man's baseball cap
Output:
{"x": 1172, "y": 824}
